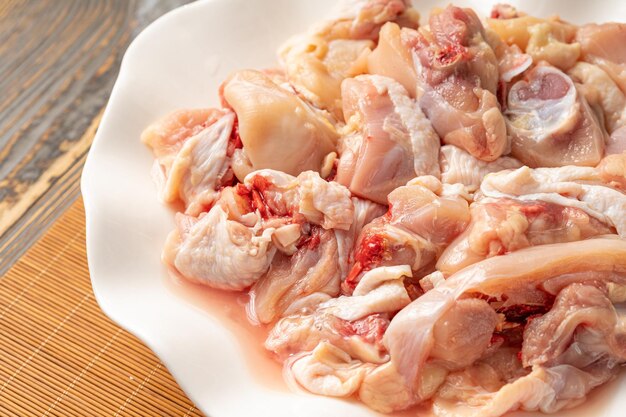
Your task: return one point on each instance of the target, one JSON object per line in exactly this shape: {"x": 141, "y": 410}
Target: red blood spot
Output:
{"x": 234, "y": 142}
{"x": 370, "y": 253}
{"x": 312, "y": 241}
{"x": 451, "y": 53}
{"x": 371, "y": 328}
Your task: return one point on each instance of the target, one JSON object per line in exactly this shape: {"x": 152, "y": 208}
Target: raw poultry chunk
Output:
{"x": 278, "y": 130}
{"x": 551, "y": 123}
{"x": 390, "y": 142}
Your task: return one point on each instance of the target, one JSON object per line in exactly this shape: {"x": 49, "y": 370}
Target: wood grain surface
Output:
{"x": 59, "y": 354}
{"x": 58, "y": 62}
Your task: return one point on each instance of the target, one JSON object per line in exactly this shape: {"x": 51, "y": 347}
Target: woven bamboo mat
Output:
{"x": 59, "y": 354}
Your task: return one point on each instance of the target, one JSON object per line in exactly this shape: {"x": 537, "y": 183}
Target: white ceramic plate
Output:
{"x": 177, "y": 62}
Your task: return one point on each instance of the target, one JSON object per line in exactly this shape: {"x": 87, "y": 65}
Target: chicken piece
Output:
{"x": 395, "y": 141}
{"x": 218, "y": 252}
{"x": 500, "y": 226}
{"x": 362, "y": 19}
{"x": 546, "y": 338}
{"x": 547, "y": 390}
{"x": 380, "y": 290}
{"x": 414, "y": 232}
{"x": 166, "y": 136}
{"x": 201, "y": 168}
{"x": 354, "y": 324}
{"x": 600, "y": 90}
{"x": 605, "y": 46}
{"x": 550, "y": 122}
{"x": 328, "y": 370}
{"x": 361, "y": 339}
{"x": 319, "y": 202}
{"x": 385, "y": 390}
{"x": 570, "y": 186}
{"x": 454, "y": 346}
{"x": 457, "y": 79}
{"x": 364, "y": 212}
{"x": 548, "y": 43}
{"x": 512, "y": 62}
{"x": 518, "y": 278}
{"x": 516, "y": 28}
{"x": 278, "y": 130}
{"x": 313, "y": 269}
{"x": 192, "y": 156}
{"x": 580, "y": 339}
{"x": 317, "y": 62}
{"x": 458, "y": 166}
{"x": 393, "y": 57}
{"x": 316, "y": 67}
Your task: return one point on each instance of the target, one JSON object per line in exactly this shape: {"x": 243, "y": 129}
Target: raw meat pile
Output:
{"x": 420, "y": 214}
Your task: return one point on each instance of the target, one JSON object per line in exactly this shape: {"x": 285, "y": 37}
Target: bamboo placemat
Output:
{"x": 59, "y": 354}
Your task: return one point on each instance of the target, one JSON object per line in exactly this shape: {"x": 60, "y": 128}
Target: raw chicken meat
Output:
{"x": 278, "y": 130}
{"x": 418, "y": 226}
{"x": 601, "y": 91}
{"x": 219, "y": 252}
{"x": 502, "y": 225}
{"x": 457, "y": 78}
{"x": 193, "y": 160}
{"x": 426, "y": 216}
{"x": 605, "y": 45}
{"x": 550, "y": 122}
{"x": 523, "y": 277}
{"x": 459, "y": 167}
{"x": 316, "y": 63}
{"x": 390, "y": 142}
{"x": 570, "y": 186}
{"x": 354, "y": 323}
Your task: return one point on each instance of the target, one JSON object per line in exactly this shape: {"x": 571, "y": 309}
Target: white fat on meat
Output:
{"x": 570, "y": 186}
{"x": 380, "y": 290}
{"x": 218, "y": 252}
{"x": 389, "y": 140}
{"x": 278, "y": 130}
{"x": 328, "y": 370}
{"x": 411, "y": 335}
{"x": 458, "y": 166}
{"x": 548, "y": 43}
{"x": 551, "y": 123}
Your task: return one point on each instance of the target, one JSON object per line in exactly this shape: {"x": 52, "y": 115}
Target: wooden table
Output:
{"x": 59, "y": 355}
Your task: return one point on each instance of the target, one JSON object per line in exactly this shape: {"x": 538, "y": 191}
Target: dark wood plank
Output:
{"x": 58, "y": 62}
